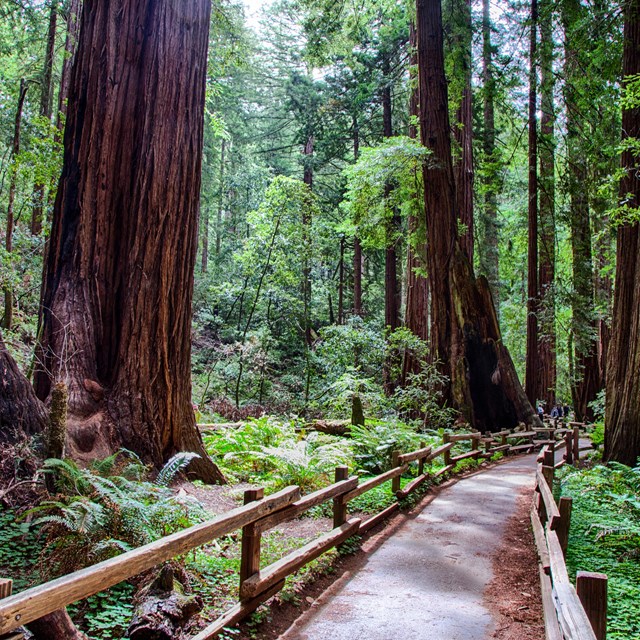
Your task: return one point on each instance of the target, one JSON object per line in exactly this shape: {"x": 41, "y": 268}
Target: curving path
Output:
{"x": 426, "y": 581}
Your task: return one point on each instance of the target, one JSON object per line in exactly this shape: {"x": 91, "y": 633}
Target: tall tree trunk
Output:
{"x": 21, "y": 413}
{"x": 118, "y": 290}
{"x": 488, "y": 248}
{"x": 532, "y": 359}
{"x": 306, "y": 225}
{"x": 391, "y": 285}
{"x": 465, "y": 335}
{"x": 622, "y": 432}
{"x": 357, "y": 247}
{"x": 46, "y": 111}
{"x": 546, "y": 238}
{"x": 586, "y": 379}
{"x": 464, "y": 133}
{"x": 13, "y": 182}
{"x": 341, "y": 283}
{"x": 220, "y": 199}
{"x": 74, "y": 10}
{"x": 417, "y": 297}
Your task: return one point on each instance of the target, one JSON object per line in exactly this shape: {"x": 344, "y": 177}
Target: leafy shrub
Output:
{"x": 98, "y": 515}
{"x": 605, "y": 537}
{"x": 374, "y": 443}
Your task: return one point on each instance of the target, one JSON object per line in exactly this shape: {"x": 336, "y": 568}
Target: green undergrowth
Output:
{"x": 605, "y": 538}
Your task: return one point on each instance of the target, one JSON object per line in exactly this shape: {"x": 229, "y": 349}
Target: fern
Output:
{"x": 174, "y": 466}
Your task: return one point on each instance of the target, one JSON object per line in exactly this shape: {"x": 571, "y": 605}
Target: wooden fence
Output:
{"x": 257, "y": 515}
{"x": 570, "y": 613}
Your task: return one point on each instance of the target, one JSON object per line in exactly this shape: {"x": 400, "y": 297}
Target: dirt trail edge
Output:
{"x": 427, "y": 580}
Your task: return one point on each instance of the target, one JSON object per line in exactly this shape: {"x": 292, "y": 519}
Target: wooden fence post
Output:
{"x": 568, "y": 441}
{"x": 446, "y": 438}
{"x": 564, "y": 506}
{"x": 395, "y": 483}
{"x": 548, "y": 472}
{"x": 592, "y": 591}
{"x": 475, "y": 445}
{"x": 250, "y": 554}
{"x": 339, "y": 505}
{"x": 6, "y": 587}
{"x": 576, "y": 444}
{"x": 423, "y": 444}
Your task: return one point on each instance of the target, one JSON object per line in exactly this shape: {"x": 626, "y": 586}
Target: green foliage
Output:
{"x": 19, "y": 548}
{"x": 105, "y": 615}
{"x": 98, "y": 514}
{"x": 605, "y": 537}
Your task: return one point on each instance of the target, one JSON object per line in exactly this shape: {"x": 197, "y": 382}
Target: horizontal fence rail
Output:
{"x": 259, "y": 514}
{"x": 570, "y": 613}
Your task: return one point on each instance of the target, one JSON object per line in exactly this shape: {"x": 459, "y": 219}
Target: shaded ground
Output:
{"x": 427, "y": 578}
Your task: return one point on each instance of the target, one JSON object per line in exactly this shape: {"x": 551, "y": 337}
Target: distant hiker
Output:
{"x": 540, "y": 411}
{"x": 556, "y": 412}
{"x": 566, "y": 410}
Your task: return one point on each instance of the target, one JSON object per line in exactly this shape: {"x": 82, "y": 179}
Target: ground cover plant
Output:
{"x": 605, "y": 537}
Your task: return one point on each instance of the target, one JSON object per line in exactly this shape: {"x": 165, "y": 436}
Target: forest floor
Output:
{"x": 456, "y": 567}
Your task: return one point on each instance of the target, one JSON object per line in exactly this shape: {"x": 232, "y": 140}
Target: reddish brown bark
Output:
{"x": 417, "y": 297}
{"x": 622, "y": 433}
{"x": 118, "y": 289}
{"x": 46, "y": 110}
{"x": 465, "y": 336}
{"x": 532, "y": 359}
{"x": 21, "y": 413}
{"x": 546, "y": 240}
{"x": 13, "y": 181}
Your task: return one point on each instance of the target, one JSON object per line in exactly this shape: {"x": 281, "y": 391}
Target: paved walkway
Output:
{"x": 425, "y": 582}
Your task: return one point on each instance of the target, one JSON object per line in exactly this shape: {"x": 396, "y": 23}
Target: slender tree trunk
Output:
{"x": 391, "y": 285}
{"x": 70, "y": 46}
{"x": 341, "y": 283}
{"x": 546, "y": 237}
{"x": 622, "y": 432}
{"x": 118, "y": 290}
{"x": 13, "y": 182}
{"x": 586, "y": 377}
{"x": 532, "y": 359}
{"x": 357, "y": 248}
{"x": 465, "y": 335}
{"x": 488, "y": 248}
{"x": 46, "y": 111}
{"x": 464, "y": 134}
{"x": 417, "y": 297}
{"x": 306, "y": 224}
{"x": 220, "y": 199}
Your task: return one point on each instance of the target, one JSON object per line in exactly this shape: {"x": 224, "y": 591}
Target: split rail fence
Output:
{"x": 259, "y": 514}
{"x": 570, "y": 613}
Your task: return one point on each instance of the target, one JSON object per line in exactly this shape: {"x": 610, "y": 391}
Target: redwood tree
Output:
{"x": 118, "y": 286}
{"x": 622, "y": 432}
{"x": 465, "y": 336}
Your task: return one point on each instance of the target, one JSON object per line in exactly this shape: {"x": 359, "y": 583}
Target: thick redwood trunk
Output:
{"x": 532, "y": 359}
{"x": 21, "y": 413}
{"x": 118, "y": 290}
{"x": 465, "y": 336}
{"x": 546, "y": 240}
{"x": 622, "y": 433}
{"x": 74, "y": 10}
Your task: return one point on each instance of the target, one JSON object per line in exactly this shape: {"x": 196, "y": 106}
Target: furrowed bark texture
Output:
{"x": 465, "y": 336}
{"x": 532, "y": 360}
{"x": 622, "y": 433}
{"x": 546, "y": 238}
{"x": 21, "y": 413}
{"x": 118, "y": 289}
{"x": 417, "y": 298}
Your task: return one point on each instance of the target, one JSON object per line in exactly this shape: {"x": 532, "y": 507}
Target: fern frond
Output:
{"x": 173, "y": 466}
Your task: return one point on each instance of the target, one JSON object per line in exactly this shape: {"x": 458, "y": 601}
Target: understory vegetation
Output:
{"x": 605, "y": 537}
